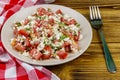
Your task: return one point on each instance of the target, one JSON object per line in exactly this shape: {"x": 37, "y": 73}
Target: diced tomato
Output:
{"x": 62, "y": 19}
{"x": 15, "y": 32}
{"x": 71, "y": 35}
{"x": 66, "y": 21}
{"x": 72, "y": 21}
{"x": 66, "y": 43}
{"x": 50, "y": 33}
{"x": 19, "y": 47}
{"x": 56, "y": 40}
{"x": 46, "y": 56}
{"x": 38, "y": 55}
{"x": 27, "y": 42}
{"x": 58, "y": 11}
{"x": 50, "y": 13}
{"x": 38, "y": 34}
{"x": 46, "y": 25}
{"x": 76, "y": 37}
{"x": 62, "y": 54}
{"x": 41, "y": 11}
{"x": 36, "y": 43}
{"x": 34, "y": 29}
{"x": 26, "y": 21}
{"x": 38, "y": 23}
{"x": 47, "y": 48}
{"x": 23, "y": 32}
{"x": 67, "y": 33}
{"x": 51, "y": 21}
{"x": 35, "y": 54}
{"x": 67, "y": 46}
{"x": 37, "y": 20}
{"x": 33, "y": 51}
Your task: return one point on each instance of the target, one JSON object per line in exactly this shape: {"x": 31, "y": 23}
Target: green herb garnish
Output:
{"x": 62, "y": 37}
{"x": 18, "y": 24}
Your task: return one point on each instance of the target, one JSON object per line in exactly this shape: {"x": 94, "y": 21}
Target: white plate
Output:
{"x": 7, "y": 33}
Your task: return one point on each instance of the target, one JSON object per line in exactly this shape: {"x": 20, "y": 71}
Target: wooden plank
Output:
{"x": 86, "y": 3}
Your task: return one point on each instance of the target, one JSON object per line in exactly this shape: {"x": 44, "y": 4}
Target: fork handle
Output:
{"x": 109, "y": 60}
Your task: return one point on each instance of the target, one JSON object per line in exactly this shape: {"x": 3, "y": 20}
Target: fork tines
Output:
{"x": 94, "y": 12}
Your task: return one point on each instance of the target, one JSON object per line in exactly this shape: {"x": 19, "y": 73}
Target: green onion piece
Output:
{"x": 61, "y": 24}
{"x": 42, "y": 17}
{"x": 49, "y": 10}
{"x": 18, "y": 24}
{"x": 78, "y": 25}
{"x": 62, "y": 37}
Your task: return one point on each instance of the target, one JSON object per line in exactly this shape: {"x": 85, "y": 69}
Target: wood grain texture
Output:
{"x": 86, "y": 3}
{"x": 91, "y": 65}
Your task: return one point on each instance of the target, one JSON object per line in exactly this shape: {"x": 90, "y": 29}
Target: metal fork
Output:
{"x": 96, "y": 22}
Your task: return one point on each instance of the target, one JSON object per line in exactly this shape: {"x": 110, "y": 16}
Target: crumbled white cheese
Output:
{"x": 66, "y": 16}
{"x": 81, "y": 37}
{"x": 35, "y": 39}
{"x": 21, "y": 38}
{"x": 73, "y": 27}
{"x": 32, "y": 23}
{"x": 31, "y": 17}
{"x": 25, "y": 53}
{"x": 58, "y": 34}
{"x": 41, "y": 46}
{"x": 46, "y": 52}
{"x": 55, "y": 18}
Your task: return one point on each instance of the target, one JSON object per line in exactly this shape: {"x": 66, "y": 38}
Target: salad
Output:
{"x": 46, "y": 34}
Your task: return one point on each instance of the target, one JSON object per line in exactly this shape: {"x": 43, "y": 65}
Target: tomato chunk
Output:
{"x": 58, "y": 11}
{"x": 76, "y": 37}
{"x": 27, "y": 42}
{"x": 38, "y": 56}
{"x": 19, "y": 47}
{"x": 48, "y": 48}
{"x": 62, "y": 54}
{"x": 67, "y": 46}
{"x": 49, "y": 52}
{"x": 41, "y": 11}
{"x": 72, "y": 21}
{"x": 15, "y": 32}
{"x": 35, "y": 54}
{"x": 51, "y": 21}
{"x": 26, "y": 21}
{"x": 23, "y": 32}
{"x": 46, "y": 56}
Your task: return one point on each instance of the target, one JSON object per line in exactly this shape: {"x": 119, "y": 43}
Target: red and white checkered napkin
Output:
{"x": 10, "y": 67}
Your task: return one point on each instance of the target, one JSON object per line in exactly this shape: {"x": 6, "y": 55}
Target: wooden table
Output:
{"x": 91, "y": 65}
